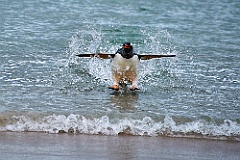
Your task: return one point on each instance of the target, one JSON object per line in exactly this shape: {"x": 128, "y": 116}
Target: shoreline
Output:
{"x": 36, "y": 145}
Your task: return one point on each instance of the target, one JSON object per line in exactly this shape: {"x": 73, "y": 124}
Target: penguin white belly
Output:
{"x": 125, "y": 70}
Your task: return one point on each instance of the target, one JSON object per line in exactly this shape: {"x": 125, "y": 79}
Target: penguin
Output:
{"x": 125, "y": 65}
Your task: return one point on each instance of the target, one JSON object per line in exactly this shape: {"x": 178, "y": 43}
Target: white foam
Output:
{"x": 104, "y": 125}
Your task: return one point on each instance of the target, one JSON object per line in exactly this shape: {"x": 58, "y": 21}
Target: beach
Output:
{"x": 56, "y": 105}
{"x": 29, "y": 145}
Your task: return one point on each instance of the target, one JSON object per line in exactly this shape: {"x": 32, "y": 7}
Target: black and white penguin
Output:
{"x": 125, "y": 66}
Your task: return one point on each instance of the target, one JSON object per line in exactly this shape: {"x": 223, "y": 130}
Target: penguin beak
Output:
{"x": 125, "y": 47}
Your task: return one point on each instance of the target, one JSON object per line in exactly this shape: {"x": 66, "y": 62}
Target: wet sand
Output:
{"x": 43, "y": 146}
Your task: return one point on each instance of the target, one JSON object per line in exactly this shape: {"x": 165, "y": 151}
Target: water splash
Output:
{"x": 150, "y": 42}
{"x": 101, "y": 70}
{"x": 85, "y": 41}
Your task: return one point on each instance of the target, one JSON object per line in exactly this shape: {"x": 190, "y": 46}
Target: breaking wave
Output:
{"x": 77, "y": 124}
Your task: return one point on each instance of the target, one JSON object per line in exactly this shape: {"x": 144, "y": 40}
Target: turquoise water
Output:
{"x": 46, "y": 88}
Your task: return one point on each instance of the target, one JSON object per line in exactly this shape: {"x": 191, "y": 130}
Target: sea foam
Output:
{"x": 104, "y": 125}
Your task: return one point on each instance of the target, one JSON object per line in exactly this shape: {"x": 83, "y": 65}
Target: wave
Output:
{"x": 78, "y": 124}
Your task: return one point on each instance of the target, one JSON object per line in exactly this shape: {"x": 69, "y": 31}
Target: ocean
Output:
{"x": 45, "y": 87}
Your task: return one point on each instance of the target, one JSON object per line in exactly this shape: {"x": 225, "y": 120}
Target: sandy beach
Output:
{"x": 42, "y": 146}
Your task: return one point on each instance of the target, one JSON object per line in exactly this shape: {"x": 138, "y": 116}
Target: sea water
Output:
{"x": 44, "y": 87}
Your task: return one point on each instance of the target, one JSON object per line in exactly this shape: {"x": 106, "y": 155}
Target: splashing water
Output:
{"x": 93, "y": 41}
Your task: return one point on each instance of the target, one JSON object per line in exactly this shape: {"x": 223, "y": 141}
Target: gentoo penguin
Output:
{"x": 125, "y": 66}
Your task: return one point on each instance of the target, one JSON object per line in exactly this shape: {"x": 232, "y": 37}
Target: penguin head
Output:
{"x": 127, "y": 47}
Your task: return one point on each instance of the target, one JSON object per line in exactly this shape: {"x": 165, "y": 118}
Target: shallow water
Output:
{"x": 46, "y": 88}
